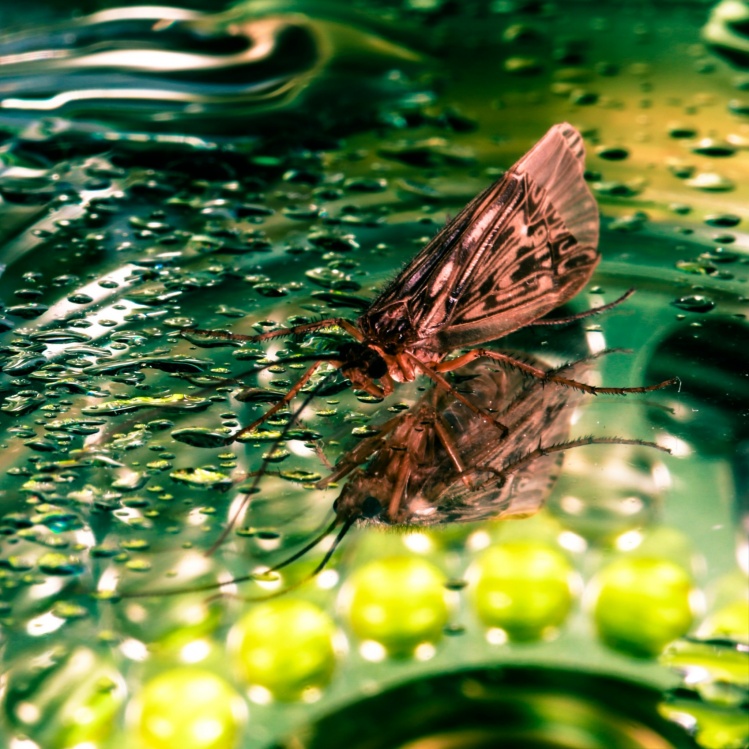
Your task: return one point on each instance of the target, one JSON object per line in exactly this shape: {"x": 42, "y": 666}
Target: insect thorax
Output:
{"x": 391, "y": 328}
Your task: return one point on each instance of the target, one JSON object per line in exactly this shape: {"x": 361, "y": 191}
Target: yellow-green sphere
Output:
{"x": 642, "y": 604}
{"x": 398, "y": 602}
{"x": 523, "y": 588}
{"x": 286, "y": 647}
{"x": 190, "y": 708}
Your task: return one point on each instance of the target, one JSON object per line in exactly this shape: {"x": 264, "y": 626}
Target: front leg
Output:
{"x": 360, "y": 454}
{"x": 433, "y": 372}
{"x": 301, "y": 382}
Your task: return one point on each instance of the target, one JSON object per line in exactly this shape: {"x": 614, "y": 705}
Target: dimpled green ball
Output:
{"x": 642, "y": 604}
{"x": 523, "y": 588}
{"x": 398, "y": 602}
{"x": 286, "y": 647}
{"x": 190, "y": 708}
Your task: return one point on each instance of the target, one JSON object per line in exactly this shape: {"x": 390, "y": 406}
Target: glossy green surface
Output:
{"x": 297, "y": 198}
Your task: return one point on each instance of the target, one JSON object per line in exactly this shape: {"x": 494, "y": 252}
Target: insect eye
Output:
{"x": 371, "y": 507}
{"x": 377, "y": 368}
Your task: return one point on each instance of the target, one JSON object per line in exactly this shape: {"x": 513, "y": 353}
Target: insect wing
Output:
{"x": 524, "y": 246}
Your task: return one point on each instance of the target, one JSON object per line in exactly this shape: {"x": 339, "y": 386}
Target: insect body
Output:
{"x": 521, "y": 248}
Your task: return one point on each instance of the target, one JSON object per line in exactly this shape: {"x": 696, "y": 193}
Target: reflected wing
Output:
{"x": 524, "y": 246}
{"x": 535, "y": 416}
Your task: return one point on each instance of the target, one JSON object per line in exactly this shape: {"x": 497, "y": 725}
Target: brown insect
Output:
{"x": 521, "y": 248}
{"x": 518, "y": 250}
{"x": 436, "y": 463}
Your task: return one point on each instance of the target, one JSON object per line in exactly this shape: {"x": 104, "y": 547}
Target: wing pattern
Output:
{"x": 521, "y": 248}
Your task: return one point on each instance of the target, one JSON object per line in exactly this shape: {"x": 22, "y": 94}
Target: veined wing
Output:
{"x": 525, "y": 245}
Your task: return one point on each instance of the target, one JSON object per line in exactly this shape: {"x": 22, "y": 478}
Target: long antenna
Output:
{"x": 258, "y": 576}
{"x": 347, "y": 525}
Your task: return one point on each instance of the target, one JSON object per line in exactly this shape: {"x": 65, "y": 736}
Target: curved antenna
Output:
{"x": 258, "y": 576}
{"x": 347, "y": 525}
{"x": 248, "y": 494}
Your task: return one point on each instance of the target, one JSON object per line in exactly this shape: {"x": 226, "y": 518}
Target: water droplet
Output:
{"x": 617, "y": 189}
{"x": 738, "y": 107}
{"x": 695, "y": 267}
{"x": 330, "y": 278}
{"x": 583, "y": 97}
{"x": 80, "y": 299}
{"x": 202, "y": 478}
{"x": 302, "y": 212}
{"x": 680, "y": 168}
{"x": 301, "y": 476}
{"x": 202, "y": 437}
{"x": 176, "y": 400}
{"x": 23, "y": 364}
{"x": 711, "y": 182}
{"x": 135, "y": 544}
{"x": 27, "y": 311}
{"x": 723, "y": 220}
{"x": 430, "y": 152}
{"x": 333, "y": 242}
{"x": 54, "y": 563}
{"x": 713, "y": 147}
{"x": 253, "y": 209}
{"x": 261, "y": 435}
{"x": 679, "y": 131}
{"x": 138, "y": 565}
{"x": 365, "y": 184}
{"x": 719, "y": 255}
{"x": 341, "y": 299}
{"x": 22, "y": 402}
{"x": 270, "y": 289}
{"x": 277, "y": 456}
{"x": 695, "y": 303}
{"x": 612, "y": 153}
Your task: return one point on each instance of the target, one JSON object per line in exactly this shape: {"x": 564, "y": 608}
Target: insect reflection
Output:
{"x": 439, "y": 463}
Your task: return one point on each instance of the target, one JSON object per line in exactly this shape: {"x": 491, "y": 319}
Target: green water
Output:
{"x": 291, "y": 189}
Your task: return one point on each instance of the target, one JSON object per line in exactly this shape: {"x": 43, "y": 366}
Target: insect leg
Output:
{"x": 321, "y": 456}
{"x": 461, "y": 361}
{"x": 281, "y": 403}
{"x": 542, "y": 451}
{"x": 360, "y": 453}
{"x": 450, "y": 448}
{"x": 399, "y": 489}
{"x": 435, "y": 376}
{"x": 587, "y": 313}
